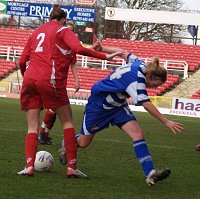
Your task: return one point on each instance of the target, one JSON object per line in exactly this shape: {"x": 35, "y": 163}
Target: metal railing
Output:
{"x": 10, "y": 53}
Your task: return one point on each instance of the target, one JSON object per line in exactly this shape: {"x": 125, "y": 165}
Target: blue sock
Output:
{"x": 78, "y": 135}
{"x": 143, "y": 155}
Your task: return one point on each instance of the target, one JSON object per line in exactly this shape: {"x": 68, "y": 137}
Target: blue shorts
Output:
{"x": 96, "y": 118}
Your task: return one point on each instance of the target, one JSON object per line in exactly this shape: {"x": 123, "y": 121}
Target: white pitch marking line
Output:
{"x": 117, "y": 141}
{"x": 107, "y": 140}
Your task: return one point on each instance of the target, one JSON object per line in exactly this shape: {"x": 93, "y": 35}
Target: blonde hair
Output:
{"x": 70, "y": 23}
{"x": 155, "y": 71}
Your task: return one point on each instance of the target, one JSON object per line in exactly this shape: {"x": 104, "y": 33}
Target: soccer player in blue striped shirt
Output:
{"x": 108, "y": 105}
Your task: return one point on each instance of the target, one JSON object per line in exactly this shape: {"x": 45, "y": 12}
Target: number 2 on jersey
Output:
{"x": 39, "y": 47}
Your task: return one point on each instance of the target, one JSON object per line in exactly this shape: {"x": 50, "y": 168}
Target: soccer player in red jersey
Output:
{"x": 50, "y": 115}
{"x": 41, "y": 64}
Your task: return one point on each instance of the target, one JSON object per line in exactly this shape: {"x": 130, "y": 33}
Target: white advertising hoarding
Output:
{"x": 185, "y": 107}
{"x": 180, "y": 107}
{"x": 152, "y": 16}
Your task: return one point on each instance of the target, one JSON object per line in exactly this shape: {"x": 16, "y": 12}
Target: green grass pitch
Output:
{"x": 109, "y": 161}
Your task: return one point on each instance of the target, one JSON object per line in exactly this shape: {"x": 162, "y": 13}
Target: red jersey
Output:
{"x": 38, "y": 51}
{"x": 51, "y": 50}
{"x": 67, "y": 44}
{"x": 70, "y": 59}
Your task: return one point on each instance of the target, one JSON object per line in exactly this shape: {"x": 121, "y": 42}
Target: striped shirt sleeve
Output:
{"x": 137, "y": 89}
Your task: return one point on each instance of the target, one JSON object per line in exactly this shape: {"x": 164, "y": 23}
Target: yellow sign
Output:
{"x": 4, "y": 87}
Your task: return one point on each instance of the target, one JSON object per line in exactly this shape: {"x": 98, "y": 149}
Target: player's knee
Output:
{"x": 84, "y": 140}
{"x": 137, "y": 136}
{"x": 82, "y": 144}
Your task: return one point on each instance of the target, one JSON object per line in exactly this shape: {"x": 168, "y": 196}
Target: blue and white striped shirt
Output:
{"x": 126, "y": 81}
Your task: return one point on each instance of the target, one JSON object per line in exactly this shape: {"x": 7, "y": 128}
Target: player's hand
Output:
{"x": 175, "y": 127}
{"x": 97, "y": 46}
{"x": 77, "y": 86}
{"x": 110, "y": 57}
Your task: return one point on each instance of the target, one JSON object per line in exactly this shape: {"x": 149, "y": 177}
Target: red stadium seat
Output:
{"x": 6, "y": 67}
{"x": 88, "y": 76}
{"x": 196, "y": 95}
{"x": 14, "y": 37}
{"x": 181, "y": 52}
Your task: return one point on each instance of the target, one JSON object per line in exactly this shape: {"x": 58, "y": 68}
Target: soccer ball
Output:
{"x": 43, "y": 161}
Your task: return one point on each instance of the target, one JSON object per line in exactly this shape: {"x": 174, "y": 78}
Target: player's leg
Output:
{"x": 84, "y": 140}
{"x": 126, "y": 121}
{"x": 132, "y": 129}
{"x": 93, "y": 121}
{"x": 65, "y": 115}
{"x": 31, "y": 102}
{"x": 55, "y": 97}
{"x": 31, "y": 142}
{"x": 47, "y": 124}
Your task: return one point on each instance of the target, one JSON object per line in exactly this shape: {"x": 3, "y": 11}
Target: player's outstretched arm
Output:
{"x": 98, "y": 47}
{"x": 73, "y": 42}
{"x": 110, "y": 57}
{"x": 175, "y": 127}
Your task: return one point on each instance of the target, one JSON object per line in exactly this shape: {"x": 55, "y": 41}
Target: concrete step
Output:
{"x": 188, "y": 87}
{"x": 13, "y": 77}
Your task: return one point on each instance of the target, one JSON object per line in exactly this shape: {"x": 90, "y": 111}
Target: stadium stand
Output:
{"x": 88, "y": 76}
{"x": 14, "y": 37}
{"x": 13, "y": 40}
{"x": 196, "y": 95}
{"x": 169, "y": 51}
{"x": 6, "y": 67}
{"x": 17, "y": 38}
{"x": 187, "y": 87}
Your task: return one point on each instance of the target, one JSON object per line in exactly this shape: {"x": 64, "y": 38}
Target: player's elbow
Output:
{"x": 23, "y": 60}
{"x": 79, "y": 50}
{"x": 22, "y": 64}
{"x": 22, "y": 67}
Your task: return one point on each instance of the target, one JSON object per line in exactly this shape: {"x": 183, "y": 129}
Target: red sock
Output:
{"x": 49, "y": 118}
{"x": 42, "y": 129}
{"x": 48, "y": 122}
{"x": 70, "y": 147}
{"x": 31, "y": 143}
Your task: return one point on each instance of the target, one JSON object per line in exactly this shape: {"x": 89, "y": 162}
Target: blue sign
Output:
{"x": 192, "y": 30}
{"x": 17, "y": 8}
{"x": 43, "y": 11}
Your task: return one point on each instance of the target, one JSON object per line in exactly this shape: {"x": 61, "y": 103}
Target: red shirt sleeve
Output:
{"x": 73, "y": 42}
{"x": 25, "y": 56}
{"x": 89, "y": 52}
